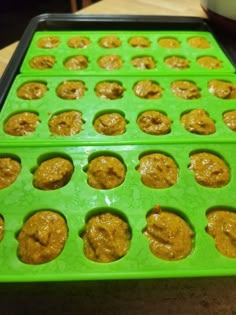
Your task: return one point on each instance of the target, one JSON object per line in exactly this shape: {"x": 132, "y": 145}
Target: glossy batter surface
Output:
{"x": 21, "y": 124}
{"x": 185, "y": 89}
{"x": 199, "y": 42}
{"x": 170, "y": 237}
{"x": 111, "y": 124}
{"x": 147, "y": 89}
{"x": 9, "y": 171}
{"x": 66, "y": 123}
{"x": 222, "y": 89}
{"x": 71, "y": 90}
{"x": 229, "y": 119}
{"x": 109, "y": 90}
{"x": 154, "y": 123}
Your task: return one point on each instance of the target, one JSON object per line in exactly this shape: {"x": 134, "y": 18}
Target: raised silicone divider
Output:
{"x": 129, "y": 105}
{"x": 132, "y": 199}
{"x": 93, "y": 52}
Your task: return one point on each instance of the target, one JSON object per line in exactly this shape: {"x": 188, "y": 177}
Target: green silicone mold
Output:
{"x": 94, "y": 51}
{"x": 131, "y": 199}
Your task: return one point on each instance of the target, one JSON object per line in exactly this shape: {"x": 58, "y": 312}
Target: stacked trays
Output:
{"x": 132, "y": 199}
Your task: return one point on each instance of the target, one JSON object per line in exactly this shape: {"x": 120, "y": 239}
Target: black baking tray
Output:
{"x": 51, "y": 22}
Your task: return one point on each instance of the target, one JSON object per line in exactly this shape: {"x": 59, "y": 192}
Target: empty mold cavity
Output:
{"x": 106, "y": 235}
{"x": 170, "y": 235}
{"x": 157, "y": 170}
{"x": 42, "y": 237}
{"x": 105, "y": 170}
{"x": 110, "y": 123}
{"x": 210, "y": 169}
{"x": 53, "y": 171}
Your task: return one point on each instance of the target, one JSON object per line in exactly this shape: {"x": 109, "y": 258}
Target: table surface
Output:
{"x": 201, "y": 296}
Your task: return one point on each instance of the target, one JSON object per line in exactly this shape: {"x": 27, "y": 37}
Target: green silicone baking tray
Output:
{"x": 132, "y": 200}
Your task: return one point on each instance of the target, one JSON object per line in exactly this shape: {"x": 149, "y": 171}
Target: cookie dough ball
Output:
{"x": 110, "y": 124}
{"x": 143, "y": 63}
{"x": 71, "y": 90}
{"x": 169, "y": 42}
{"x": 147, "y": 89}
{"x": 9, "y": 171}
{"x": 139, "y": 42}
{"x": 78, "y": 42}
{"x": 42, "y": 62}
{"x": 222, "y": 226}
{"x": 32, "y": 90}
{"x": 209, "y": 62}
{"x": 21, "y": 124}
{"x": 109, "y": 90}
{"x": 229, "y": 119}
{"x": 48, "y": 42}
{"x": 106, "y": 237}
{"x": 53, "y": 174}
{"x": 105, "y": 172}
{"x": 42, "y": 237}
{"x": 170, "y": 237}
{"x": 76, "y": 63}
{"x": 110, "y": 62}
{"x": 1, "y": 228}
{"x": 209, "y": 170}
{"x": 185, "y": 89}
{"x": 176, "y": 62}
{"x": 198, "y": 121}
{"x": 222, "y": 89}
{"x": 154, "y": 123}
{"x": 199, "y": 42}
{"x": 66, "y": 124}
{"x": 157, "y": 170}
{"x": 111, "y": 41}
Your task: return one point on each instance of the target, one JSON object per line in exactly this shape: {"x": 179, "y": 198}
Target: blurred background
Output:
{"x": 16, "y": 14}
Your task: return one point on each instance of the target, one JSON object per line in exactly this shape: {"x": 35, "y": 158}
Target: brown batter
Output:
{"x": 170, "y": 237}
{"x": 198, "y": 42}
{"x": 198, "y": 121}
{"x": 78, "y": 42}
{"x": 111, "y": 41}
{"x": 147, "y": 89}
{"x": 185, "y": 89}
{"x": 209, "y": 62}
{"x": 157, "y": 170}
{"x": 111, "y": 124}
{"x": 109, "y": 90}
{"x": 106, "y": 237}
{"x": 42, "y": 62}
{"x": 176, "y": 62}
{"x": 222, "y": 89}
{"x": 169, "y": 42}
{"x": 53, "y": 173}
{"x": 105, "y": 172}
{"x": 76, "y": 63}
{"x": 143, "y": 63}
{"x": 229, "y": 119}
{"x": 209, "y": 170}
{"x": 222, "y": 226}
{"x": 66, "y": 124}
{"x": 154, "y": 123}
{"x": 9, "y": 171}
{"x": 21, "y": 124}
{"x": 71, "y": 90}
{"x": 110, "y": 62}
{"x": 42, "y": 237}
{"x": 139, "y": 42}
{"x": 48, "y": 42}
{"x": 1, "y": 227}
{"x": 32, "y": 90}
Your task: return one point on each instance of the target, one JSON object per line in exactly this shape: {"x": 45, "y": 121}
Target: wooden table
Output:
{"x": 206, "y": 296}
{"x": 147, "y": 7}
